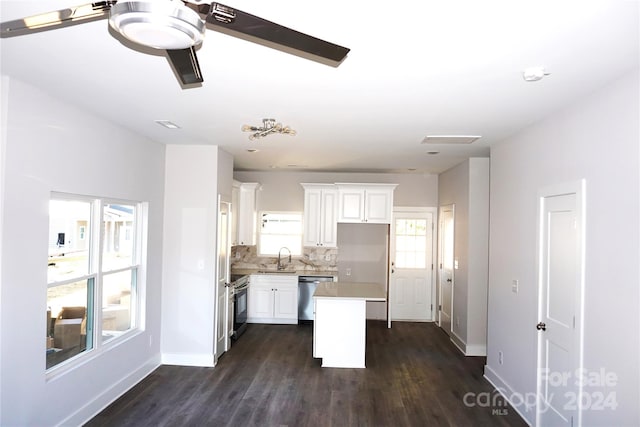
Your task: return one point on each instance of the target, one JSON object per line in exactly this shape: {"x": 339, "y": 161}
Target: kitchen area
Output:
{"x": 345, "y": 249}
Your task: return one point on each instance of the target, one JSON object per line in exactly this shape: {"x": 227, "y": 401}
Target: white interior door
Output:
{"x": 560, "y": 288}
{"x": 446, "y": 267}
{"x": 410, "y": 279}
{"x": 223, "y": 309}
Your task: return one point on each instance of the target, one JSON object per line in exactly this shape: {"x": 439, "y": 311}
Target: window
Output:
{"x": 278, "y": 230}
{"x": 92, "y": 278}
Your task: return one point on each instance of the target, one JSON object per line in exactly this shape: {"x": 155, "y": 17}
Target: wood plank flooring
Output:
{"x": 414, "y": 377}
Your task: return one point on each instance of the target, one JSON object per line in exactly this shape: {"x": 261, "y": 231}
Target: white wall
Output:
{"x": 478, "y": 256}
{"x": 467, "y": 187}
{"x": 363, "y": 249}
{"x": 282, "y": 190}
{"x": 52, "y": 146}
{"x": 597, "y": 139}
{"x": 189, "y": 267}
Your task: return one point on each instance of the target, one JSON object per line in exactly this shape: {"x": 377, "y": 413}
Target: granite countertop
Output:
{"x": 349, "y": 290}
{"x": 249, "y": 271}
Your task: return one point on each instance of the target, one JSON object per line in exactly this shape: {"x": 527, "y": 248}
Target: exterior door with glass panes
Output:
{"x": 410, "y": 283}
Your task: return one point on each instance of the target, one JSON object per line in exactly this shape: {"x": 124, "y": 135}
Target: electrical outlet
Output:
{"x": 500, "y": 357}
{"x": 514, "y": 286}
{"x": 327, "y": 257}
{"x": 347, "y": 271}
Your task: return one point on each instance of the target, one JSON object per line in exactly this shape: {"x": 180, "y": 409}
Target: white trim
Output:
{"x": 507, "y": 392}
{"x": 476, "y": 350}
{"x": 457, "y": 341}
{"x": 426, "y": 210}
{"x": 468, "y": 349}
{"x": 441, "y": 208}
{"x": 189, "y": 359}
{"x": 111, "y": 394}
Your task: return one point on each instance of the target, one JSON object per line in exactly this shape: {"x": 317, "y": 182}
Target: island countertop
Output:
{"x": 351, "y": 290}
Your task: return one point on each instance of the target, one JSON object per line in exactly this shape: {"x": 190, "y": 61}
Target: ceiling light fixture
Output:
{"x": 533, "y": 74}
{"x": 168, "y": 124}
{"x": 269, "y": 126}
{"x": 164, "y": 24}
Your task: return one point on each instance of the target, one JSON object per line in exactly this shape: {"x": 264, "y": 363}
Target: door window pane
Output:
{"x": 410, "y": 243}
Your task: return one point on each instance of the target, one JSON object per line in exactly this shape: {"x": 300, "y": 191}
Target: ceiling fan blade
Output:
{"x": 226, "y": 17}
{"x": 57, "y": 19}
{"x": 185, "y": 62}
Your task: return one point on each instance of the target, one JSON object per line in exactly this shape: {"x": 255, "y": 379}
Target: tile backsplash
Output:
{"x": 312, "y": 259}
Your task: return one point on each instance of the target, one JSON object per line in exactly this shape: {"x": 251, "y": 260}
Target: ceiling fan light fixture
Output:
{"x": 158, "y": 24}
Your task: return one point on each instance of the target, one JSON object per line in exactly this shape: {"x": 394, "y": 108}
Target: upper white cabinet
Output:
{"x": 244, "y": 213}
{"x": 369, "y": 203}
{"x": 320, "y": 215}
{"x": 235, "y": 211}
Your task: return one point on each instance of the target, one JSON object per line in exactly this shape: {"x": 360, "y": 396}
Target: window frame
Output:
{"x": 96, "y": 274}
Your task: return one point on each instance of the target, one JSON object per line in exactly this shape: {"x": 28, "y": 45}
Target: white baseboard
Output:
{"x": 476, "y": 350}
{"x": 188, "y": 359}
{"x": 457, "y": 341}
{"x": 101, "y": 401}
{"x": 508, "y": 393}
{"x": 468, "y": 349}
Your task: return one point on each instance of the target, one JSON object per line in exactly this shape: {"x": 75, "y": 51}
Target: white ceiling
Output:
{"x": 416, "y": 68}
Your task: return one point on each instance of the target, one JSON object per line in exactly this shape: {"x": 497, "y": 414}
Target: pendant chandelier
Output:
{"x": 269, "y": 126}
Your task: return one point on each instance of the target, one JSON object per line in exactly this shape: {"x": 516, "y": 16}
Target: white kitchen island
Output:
{"x": 340, "y": 322}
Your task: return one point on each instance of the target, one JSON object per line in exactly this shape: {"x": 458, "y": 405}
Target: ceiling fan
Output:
{"x": 178, "y": 27}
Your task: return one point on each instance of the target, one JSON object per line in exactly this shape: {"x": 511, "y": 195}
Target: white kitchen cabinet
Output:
{"x": 235, "y": 211}
{"x": 245, "y": 228}
{"x": 368, "y": 203}
{"x": 320, "y": 215}
{"x": 273, "y": 298}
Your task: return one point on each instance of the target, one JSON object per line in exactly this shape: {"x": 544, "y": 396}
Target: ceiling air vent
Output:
{"x": 450, "y": 139}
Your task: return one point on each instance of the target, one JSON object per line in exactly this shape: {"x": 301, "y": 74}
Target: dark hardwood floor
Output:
{"x": 414, "y": 377}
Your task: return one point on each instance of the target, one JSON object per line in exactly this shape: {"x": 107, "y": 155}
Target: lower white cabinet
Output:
{"x": 273, "y": 298}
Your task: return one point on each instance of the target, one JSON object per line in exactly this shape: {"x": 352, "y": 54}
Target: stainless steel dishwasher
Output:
{"x": 306, "y": 287}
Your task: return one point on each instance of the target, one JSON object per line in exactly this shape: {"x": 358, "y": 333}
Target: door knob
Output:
{"x": 541, "y": 326}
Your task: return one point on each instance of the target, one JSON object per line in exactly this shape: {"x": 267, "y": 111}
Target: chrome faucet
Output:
{"x": 280, "y": 266}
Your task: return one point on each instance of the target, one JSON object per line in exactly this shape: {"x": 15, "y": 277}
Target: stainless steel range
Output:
{"x": 239, "y": 287}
